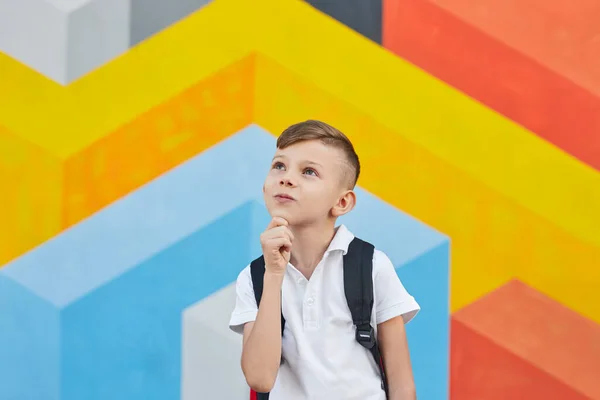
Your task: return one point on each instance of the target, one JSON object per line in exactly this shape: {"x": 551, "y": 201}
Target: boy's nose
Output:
{"x": 286, "y": 182}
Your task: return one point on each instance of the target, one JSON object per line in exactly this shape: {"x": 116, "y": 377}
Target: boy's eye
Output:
{"x": 310, "y": 171}
{"x": 278, "y": 165}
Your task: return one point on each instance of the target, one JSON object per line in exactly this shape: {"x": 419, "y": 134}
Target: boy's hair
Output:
{"x": 328, "y": 135}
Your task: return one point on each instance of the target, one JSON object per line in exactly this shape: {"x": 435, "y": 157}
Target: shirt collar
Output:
{"x": 341, "y": 240}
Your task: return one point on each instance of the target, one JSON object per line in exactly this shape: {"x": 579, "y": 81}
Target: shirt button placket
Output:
{"x": 310, "y": 312}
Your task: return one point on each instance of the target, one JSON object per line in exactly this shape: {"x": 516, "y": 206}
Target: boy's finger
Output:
{"x": 277, "y": 243}
{"x": 277, "y": 221}
{"x": 280, "y": 232}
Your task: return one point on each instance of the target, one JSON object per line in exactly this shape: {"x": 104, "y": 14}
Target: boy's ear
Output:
{"x": 344, "y": 204}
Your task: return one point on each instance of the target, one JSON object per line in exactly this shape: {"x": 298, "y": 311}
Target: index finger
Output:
{"x": 277, "y": 221}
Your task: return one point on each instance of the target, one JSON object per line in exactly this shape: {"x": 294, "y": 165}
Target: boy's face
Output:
{"x": 308, "y": 183}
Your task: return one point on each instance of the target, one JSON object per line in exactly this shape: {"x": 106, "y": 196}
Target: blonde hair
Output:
{"x": 326, "y": 134}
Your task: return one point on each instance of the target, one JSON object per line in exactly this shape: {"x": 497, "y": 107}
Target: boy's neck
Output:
{"x": 310, "y": 243}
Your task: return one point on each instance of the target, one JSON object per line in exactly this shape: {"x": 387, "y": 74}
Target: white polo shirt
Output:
{"x": 322, "y": 359}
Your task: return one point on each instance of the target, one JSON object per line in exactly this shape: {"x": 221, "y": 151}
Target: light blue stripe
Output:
{"x": 427, "y": 278}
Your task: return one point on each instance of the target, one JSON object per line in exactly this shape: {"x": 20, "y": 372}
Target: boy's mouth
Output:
{"x": 283, "y": 196}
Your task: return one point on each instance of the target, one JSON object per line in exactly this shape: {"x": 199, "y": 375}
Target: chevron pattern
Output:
{"x": 481, "y": 161}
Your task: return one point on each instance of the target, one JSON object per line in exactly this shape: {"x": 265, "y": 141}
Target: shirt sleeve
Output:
{"x": 391, "y": 297}
{"x": 245, "y": 303}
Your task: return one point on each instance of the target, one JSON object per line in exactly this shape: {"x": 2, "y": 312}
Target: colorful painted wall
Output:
{"x": 134, "y": 137}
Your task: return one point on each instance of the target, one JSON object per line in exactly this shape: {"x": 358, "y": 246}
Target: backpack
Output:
{"x": 358, "y": 287}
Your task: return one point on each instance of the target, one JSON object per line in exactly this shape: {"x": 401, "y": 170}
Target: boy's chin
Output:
{"x": 291, "y": 217}
{"x": 276, "y": 212}
{"x": 295, "y": 220}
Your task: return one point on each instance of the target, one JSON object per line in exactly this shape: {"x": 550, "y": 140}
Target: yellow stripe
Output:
{"x": 31, "y": 183}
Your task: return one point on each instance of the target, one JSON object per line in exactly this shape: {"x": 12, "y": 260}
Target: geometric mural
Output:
{"x": 133, "y": 143}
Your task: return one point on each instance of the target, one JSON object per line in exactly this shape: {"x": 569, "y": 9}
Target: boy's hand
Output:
{"x": 276, "y": 242}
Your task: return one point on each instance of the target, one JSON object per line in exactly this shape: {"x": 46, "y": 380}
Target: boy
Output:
{"x": 310, "y": 184}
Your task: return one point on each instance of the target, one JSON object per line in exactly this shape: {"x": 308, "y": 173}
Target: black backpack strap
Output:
{"x": 358, "y": 287}
{"x": 257, "y": 272}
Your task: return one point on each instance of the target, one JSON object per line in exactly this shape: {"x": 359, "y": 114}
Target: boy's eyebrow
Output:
{"x": 309, "y": 162}
{"x": 313, "y": 163}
